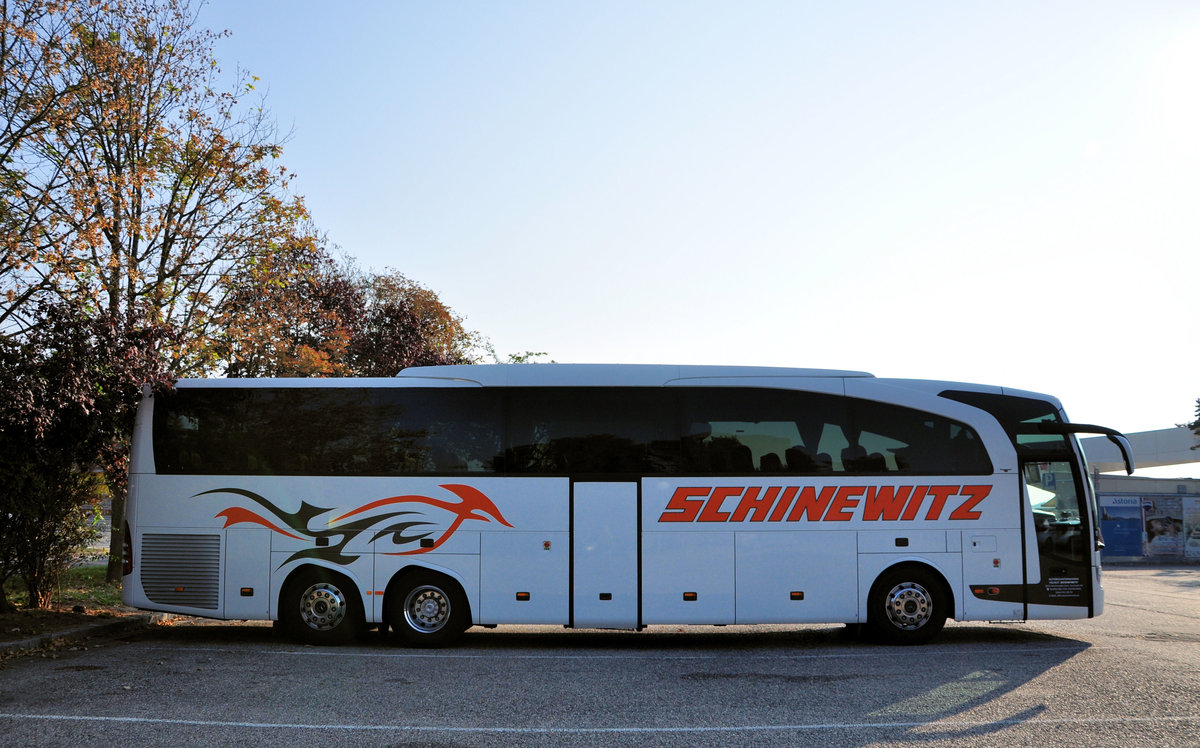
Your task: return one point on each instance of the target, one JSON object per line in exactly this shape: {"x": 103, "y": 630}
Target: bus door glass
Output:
{"x": 1063, "y": 539}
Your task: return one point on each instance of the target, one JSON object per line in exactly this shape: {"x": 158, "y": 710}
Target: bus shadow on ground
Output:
{"x": 517, "y": 637}
{"x": 740, "y": 638}
{"x": 827, "y": 680}
{"x": 1183, "y": 577}
{"x": 820, "y": 683}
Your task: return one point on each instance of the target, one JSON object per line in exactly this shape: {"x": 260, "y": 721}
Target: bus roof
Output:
{"x": 622, "y": 375}
{"x": 528, "y": 375}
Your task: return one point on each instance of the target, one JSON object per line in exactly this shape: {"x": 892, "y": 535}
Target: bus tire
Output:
{"x": 318, "y": 606}
{"x": 907, "y": 605}
{"x": 427, "y": 609}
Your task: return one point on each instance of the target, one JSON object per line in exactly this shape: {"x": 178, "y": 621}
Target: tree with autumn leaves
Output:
{"x": 300, "y": 312}
{"x": 141, "y": 192}
{"x": 132, "y": 179}
{"x": 148, "y": 181}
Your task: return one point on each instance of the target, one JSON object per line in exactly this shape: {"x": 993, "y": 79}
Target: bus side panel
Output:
{"x": 687, "y": 577}
{"x": 525, "y": 577}
{"x": 604, "y": 564}
{"x": 991, "y": 562}
{"x": 786, "y": 578}
{"x": 247, "y": 574}
{"x": 176, "y": 570}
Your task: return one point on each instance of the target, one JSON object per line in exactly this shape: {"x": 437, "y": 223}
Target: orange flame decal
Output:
{"x": 237, "y": 515}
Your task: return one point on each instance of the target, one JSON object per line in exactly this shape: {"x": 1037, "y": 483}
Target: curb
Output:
{"x": 107, "y": 628}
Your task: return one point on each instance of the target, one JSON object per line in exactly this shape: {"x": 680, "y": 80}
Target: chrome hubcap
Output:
{"x": 909, "y": 606}
{"x": 426, "y": 609}
{"x": 322, "y": 607}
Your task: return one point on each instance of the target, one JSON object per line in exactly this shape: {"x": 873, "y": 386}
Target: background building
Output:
{"x": 1149, "y": 519}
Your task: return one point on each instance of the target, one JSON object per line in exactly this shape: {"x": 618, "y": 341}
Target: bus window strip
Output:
{"x": 847, "y": 421}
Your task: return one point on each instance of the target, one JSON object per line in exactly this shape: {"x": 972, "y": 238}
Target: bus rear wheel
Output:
{"x": 320, "y": 607}
{"x": 908, "y": 605}
{"x": 427, "y": 609}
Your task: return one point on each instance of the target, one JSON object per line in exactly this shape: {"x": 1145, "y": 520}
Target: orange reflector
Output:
{"x": 797, "y": 595}
{"x": 690, "y": 597}
{"x": 247, "y": 592}
{"x": 179, "y": 589}
{"x": 523, "y": 596}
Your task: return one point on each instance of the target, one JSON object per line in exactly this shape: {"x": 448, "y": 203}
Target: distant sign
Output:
{"x": 1121, "y": 525}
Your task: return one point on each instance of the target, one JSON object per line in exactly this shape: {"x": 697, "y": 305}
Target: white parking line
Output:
{"x": 956, "y": 725}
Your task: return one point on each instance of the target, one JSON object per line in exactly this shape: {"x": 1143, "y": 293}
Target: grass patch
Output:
{"x": 80, "y": 585}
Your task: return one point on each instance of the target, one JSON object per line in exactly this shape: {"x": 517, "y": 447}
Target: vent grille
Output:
{"x": 182, "y": 570}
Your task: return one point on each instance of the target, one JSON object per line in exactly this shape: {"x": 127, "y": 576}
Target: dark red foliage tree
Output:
{"x": 71, "y": 388}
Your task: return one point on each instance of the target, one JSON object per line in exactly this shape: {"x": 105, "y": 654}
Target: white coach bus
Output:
{"x": 609, "y": 496}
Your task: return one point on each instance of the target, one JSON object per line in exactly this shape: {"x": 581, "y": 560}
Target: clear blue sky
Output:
{"x": 995, "y": 192}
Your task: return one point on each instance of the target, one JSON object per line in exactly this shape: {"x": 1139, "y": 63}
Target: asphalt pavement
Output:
{"x": 1128, "y": 678}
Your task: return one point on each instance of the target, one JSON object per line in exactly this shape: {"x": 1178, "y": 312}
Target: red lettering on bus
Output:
{"x": 939, "y": 494}
{"x": 755, "y": 506}
{"x": 685, "y": 504}
{"x": 843, "y": 504}
{"x": 811, "y": 504}
{"x": 974, "y": 494}
{"x": 914, "y": 504}
{"x": 784, "y": 503}
{"x": 885, "y": 502}
{"x": 712, "y": 508}
{"x": 821, "y": 503}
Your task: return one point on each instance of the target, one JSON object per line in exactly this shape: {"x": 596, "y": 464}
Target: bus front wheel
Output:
{"x": 908, "y": 605}
{"x": 317, "y": 606}
{"x": 427, "y": 609}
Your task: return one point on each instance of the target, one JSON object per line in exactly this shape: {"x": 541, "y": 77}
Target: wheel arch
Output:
{"x": 871, "y": 575}
{"x": 398, "y": 578}
{"x": 310, "y": 614}
{"x": 302, "y": 568}
{"x": 914, "y": 563}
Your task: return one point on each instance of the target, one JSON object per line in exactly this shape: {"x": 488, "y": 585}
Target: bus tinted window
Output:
{"x": 591, "y": 430}
{"x": 1013, "y": 413}
{"x": 891, "y": 438}
{"x": 326, "y": 431}
{"x": 745, "y": 431}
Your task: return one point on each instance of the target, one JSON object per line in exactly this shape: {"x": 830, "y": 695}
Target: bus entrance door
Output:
{"x": 1063, "y": 539}
{"x": 604, "y": 587}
